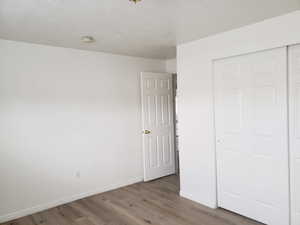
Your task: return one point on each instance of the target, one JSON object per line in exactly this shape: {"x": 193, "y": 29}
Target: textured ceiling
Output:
{"x": 150, "y": 28}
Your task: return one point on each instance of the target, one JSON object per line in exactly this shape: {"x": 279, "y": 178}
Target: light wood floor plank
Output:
{"x": 154, "y": 203}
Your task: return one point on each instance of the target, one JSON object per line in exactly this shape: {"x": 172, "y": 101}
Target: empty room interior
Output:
{"x": 160, "y": 112}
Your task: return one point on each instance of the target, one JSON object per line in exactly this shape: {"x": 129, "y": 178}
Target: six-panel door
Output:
{"x": 251, "y": 135}
{"x": 158, "y": 125}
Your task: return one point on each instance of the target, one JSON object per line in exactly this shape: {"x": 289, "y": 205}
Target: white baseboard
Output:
{"x": 48, "y": 205}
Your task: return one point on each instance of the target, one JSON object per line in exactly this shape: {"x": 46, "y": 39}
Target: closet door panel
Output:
{"x": 252, "y": 135}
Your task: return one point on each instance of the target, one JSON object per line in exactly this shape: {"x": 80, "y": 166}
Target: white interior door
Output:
{"x": 251, "y": 135}
{"x": 294, "y": 69}
{"x": 158, "y": 125}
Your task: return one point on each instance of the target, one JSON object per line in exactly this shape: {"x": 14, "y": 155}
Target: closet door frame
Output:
{"x": 294, "y": 131}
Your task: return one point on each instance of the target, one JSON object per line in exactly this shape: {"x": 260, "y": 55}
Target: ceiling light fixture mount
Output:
{"x": 135, "y": 1}
{"x": 87, "y": 39}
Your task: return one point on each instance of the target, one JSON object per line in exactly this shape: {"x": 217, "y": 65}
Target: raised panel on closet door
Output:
{"x": 294, "y": 77}
{"x": 251, "y": 133}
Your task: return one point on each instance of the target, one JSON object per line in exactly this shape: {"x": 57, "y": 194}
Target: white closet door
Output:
{"x": 251, "y": 135}
{"x": 294, "y": 69}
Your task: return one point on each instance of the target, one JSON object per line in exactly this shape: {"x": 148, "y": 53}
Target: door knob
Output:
{"x": 146, "y": 131}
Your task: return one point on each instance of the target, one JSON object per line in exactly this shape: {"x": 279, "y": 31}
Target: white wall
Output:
{"x": 64, "y": 111}
{"x": 171, "y": 66}
{"x": 196, "y": 126}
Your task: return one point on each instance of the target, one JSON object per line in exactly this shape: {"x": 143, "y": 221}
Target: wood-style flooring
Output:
{"x": 155, "y": 203}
